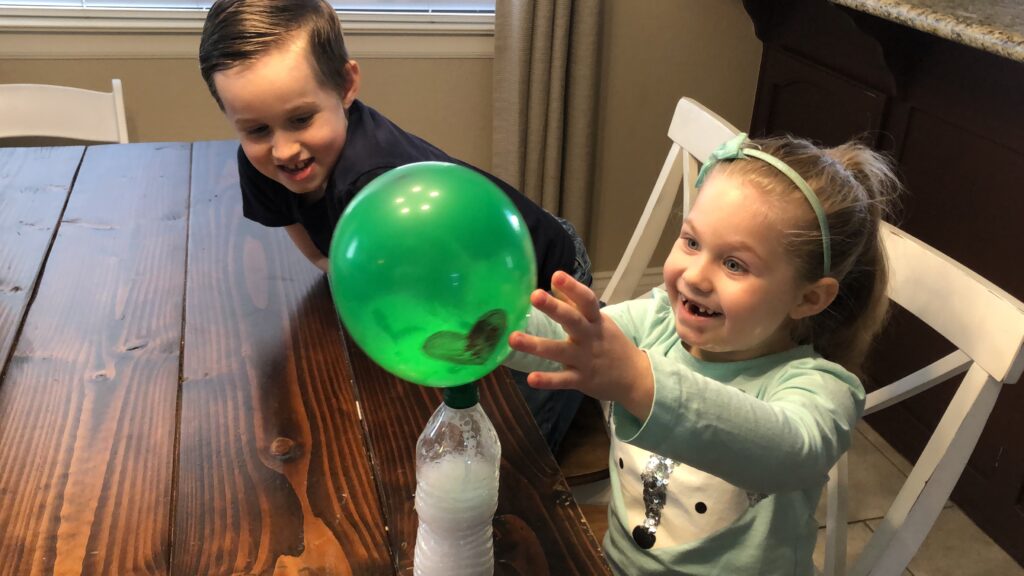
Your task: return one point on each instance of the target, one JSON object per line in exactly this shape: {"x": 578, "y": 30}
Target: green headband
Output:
{"x": 734, "y": 150}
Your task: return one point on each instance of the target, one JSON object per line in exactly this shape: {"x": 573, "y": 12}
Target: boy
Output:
{"x": 280, "y": 72}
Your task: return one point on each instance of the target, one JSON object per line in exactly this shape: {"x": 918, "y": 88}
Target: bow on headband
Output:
{"x": 734, "y": 150}
{"x": 729, "y": 150}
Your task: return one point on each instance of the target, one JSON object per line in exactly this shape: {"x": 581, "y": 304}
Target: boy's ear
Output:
{"x": 353, "y": 77}
{"x": 815, "y": 298}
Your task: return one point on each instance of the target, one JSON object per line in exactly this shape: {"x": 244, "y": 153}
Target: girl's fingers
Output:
{"x": 582, "y": 297}
{"x": 556, "y": 292}
{"x": 522, "y": 342}
{"x": 555, "y": 350}
{"x": 554, "y": 380}
{"x": 564, "y": 313}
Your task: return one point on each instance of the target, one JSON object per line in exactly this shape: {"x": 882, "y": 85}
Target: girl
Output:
{"x": 733, "y": 389}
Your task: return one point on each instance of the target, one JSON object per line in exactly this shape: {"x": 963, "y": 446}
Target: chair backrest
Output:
{"x": 986, "y": 324}
{"x": 63, "y": 112}
{"x": 695, "y": 132}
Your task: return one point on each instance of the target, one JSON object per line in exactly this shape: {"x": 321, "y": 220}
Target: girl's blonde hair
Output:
{"x": 856, "y": 187}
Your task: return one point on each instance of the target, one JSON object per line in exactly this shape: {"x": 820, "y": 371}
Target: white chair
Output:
{"x": 695, "y": 132}
{"x": 986, "y": 325}
{"x": 63, "y": 112}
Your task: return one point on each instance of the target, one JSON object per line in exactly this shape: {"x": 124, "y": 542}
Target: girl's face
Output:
{"x": 733, "y": 288}
{"x": 291, "y": 127}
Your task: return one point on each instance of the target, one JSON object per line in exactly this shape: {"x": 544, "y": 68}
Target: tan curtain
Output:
{"x": 545, "y": 101}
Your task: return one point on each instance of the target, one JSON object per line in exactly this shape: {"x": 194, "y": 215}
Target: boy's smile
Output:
{"x": 290, "y": 126}
{"x": 300, "y": 170}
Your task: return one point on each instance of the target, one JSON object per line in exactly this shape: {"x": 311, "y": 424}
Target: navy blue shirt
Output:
{"x": 373, "y": 146}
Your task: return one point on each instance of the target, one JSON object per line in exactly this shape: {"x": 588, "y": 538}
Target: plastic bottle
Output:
{"x": 457, "y": 460}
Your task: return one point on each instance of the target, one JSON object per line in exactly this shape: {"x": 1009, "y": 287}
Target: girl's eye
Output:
{"x": 691, "y": 243}
{"x": 256, "y": 131}
{"x": 734, "y": 266}
{"x": 303, "y": 120}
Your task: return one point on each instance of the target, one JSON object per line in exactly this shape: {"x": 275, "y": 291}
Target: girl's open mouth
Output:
{"x": 697, "y": 310}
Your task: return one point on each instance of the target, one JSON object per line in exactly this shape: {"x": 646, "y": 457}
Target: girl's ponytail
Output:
{"x": 844, "y": 331}
{"x": 856, "y": 187}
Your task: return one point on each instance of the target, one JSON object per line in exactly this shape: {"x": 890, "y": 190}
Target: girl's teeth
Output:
{"x": 698, "y": 309}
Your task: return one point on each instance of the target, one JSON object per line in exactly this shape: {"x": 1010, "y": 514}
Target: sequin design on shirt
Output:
{"x": 655, "y": 479}
{"x": 667, "y": 505}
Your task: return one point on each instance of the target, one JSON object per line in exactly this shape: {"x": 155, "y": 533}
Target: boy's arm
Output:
{"x": 305, "y": 245}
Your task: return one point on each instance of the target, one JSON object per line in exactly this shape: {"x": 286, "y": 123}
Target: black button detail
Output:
{"x": 643, "y": 537}
{"x": 701, "y": 507}
{"x": 621, "y": 465}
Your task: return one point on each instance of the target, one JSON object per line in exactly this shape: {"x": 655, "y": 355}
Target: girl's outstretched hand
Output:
{"x": 598, "y": 359}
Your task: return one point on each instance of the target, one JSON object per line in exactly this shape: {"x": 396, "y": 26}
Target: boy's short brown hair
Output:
{"x": 239, "y": 31}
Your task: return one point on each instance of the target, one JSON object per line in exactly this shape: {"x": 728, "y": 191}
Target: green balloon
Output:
{"x": 431, "y": 268}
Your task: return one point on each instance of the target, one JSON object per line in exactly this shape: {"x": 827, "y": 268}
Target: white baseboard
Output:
{"x": 650, "y": 279}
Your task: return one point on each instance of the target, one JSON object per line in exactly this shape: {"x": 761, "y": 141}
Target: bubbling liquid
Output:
{"x": 455, "y": 501}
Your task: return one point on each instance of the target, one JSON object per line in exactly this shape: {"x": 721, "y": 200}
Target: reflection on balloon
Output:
{"x": 431, "y": 267}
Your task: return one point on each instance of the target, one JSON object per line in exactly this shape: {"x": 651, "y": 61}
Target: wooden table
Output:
{"x": 177, "y": 396}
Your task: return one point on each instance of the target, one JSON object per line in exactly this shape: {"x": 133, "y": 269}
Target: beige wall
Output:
{"x": 656, "y": 51}
{"x": 166, "y": 99}
{"x": 653, "y": 52}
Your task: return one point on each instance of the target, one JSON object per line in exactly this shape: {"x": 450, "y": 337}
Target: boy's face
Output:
{"x": 291, "y": 128}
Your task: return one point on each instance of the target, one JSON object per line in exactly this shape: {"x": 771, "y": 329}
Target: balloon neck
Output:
{"x": 464, "y": 396}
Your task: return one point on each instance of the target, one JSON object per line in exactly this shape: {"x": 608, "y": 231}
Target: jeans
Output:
{"x": 553, "y": 410}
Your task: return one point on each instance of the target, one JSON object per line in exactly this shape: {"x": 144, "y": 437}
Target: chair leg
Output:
{"x": 835, "y": 523}
{"x": 932, "y": 480}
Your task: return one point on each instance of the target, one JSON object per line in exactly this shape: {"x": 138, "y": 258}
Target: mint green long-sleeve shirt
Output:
{"x": 753, "y": 442}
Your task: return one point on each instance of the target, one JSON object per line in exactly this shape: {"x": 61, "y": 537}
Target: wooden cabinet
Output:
{"x": 953, "y": 119}
{"x": 789, "y": 102}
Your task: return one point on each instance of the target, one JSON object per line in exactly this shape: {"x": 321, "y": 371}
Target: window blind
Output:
{"x": 472, "y": 6}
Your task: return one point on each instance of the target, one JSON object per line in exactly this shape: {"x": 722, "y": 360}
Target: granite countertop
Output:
{"x": 995, "y": 26}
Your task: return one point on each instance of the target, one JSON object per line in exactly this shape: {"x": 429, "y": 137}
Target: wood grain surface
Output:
{"x": 34, "y": 186}
{"x": 273, "y": 474}
{"x": 87, "y": 405}
{"x": 177, "y": 396}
